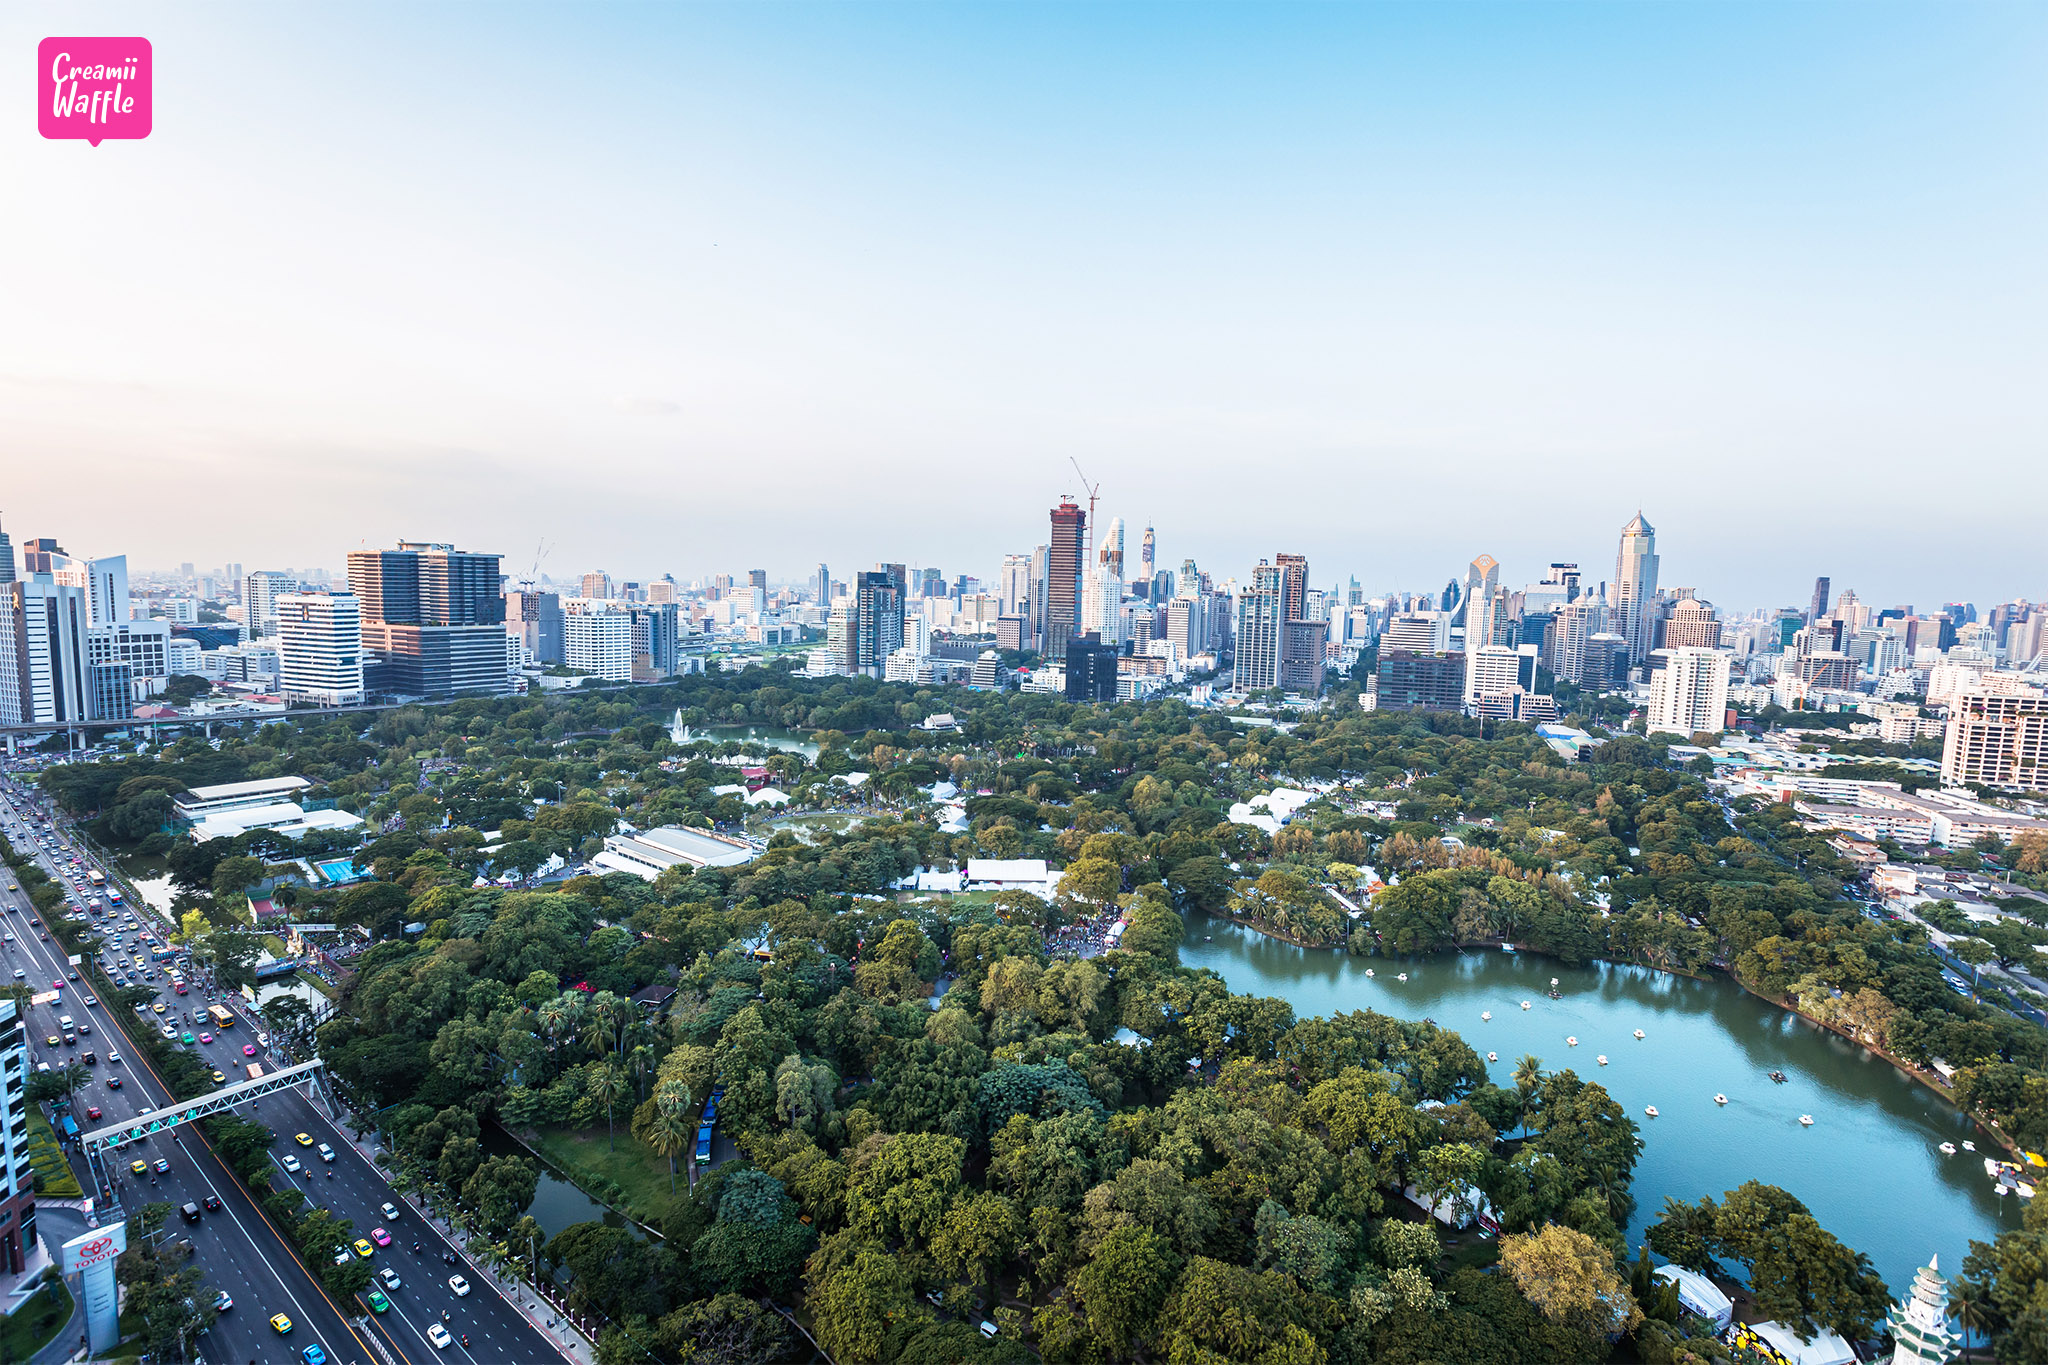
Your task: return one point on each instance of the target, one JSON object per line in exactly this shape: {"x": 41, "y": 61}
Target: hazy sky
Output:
{"x": 700, "y": 289}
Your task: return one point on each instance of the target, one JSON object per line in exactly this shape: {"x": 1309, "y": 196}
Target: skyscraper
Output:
{"x": 260, "y": 592}
{"x": 1819, "y": 606}
{"x": 1091, "y": 669}
{"x": 1635, "y": 587}
{"x": 878, "y": 621}
{"x": 1689, "y": 693}
{"x": 319, "y": 647}
{"x": 1063, "y": 577}
{"x": 107, "y": 589}
{"x": 1482, "y": 576}
{"x": 1261, "y": 628}
{"x": 435, "y": 618}
{"x": 1148, "y": 557}
{"x": 47, "y": 675}
{"x": 6, "y": 559}
{"x": 821, "y": 586}
{"x": 536, "y": 618}
{"x": 1112, "y": 556}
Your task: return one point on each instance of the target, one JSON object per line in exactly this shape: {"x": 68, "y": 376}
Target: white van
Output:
{"x": 65, "y": 1021}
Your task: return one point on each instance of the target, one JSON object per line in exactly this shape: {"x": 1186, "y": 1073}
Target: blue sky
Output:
{"x": 703, "y": 288}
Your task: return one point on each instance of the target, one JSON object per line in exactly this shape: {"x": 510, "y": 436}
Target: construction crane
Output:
{"x": 1091, "y": 490}
{"x": 540, "y": 552}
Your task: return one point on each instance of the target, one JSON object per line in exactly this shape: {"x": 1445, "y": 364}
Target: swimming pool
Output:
{"x": 335, "y": 871}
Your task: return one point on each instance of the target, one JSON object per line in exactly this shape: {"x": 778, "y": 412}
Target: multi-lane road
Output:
{"x": 237, "y": 1248}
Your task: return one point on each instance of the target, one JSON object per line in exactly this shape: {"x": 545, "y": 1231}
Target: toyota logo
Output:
{"x": 95, "y": 1248}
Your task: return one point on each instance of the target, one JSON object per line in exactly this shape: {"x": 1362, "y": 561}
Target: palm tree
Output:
{"x": 641, "y": 1059}
{"x": 669, "y": 1134}
{"x": 1528, "y": 1074}
{"x": 608, "y": 1088}
{"x": 1967, "y": 1306}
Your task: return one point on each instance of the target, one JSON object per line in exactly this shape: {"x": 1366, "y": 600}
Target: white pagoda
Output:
{"x": 1919, "y": 1322}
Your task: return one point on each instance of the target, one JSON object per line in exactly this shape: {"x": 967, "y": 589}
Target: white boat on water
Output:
{"x": 1486, "y": 1016}
{"x": 1602, "y": 1059}
{"x": 1651, "y": 1110}
{"x": 1969, "y": 1146}
{"x": 1571, "y": 1042}
{"x": 1948, "y": 1149}
{"x": 1553, "y": 981}
{"x": 1368, "y": 971}
{"x": 1720, "y": 1099}
{"x": 1639, "y": 1034}
{"x": 1493, "y": 1056}
{"x": 1525, "y": 1004}
{"x": 2000, "y": 1190}
{"x": 1403, "y": 976}
{"x": 1806, "y": 1120}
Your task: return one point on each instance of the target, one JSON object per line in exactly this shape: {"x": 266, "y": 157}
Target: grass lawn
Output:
{"x": 640, "y": 1173}
{"x": 35, "y": 1325}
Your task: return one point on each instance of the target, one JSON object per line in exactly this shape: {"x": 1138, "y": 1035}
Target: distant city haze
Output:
{"x": 698, "y": 289}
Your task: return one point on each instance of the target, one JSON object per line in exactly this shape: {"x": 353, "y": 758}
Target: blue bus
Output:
{"x": 704, "y": 1144}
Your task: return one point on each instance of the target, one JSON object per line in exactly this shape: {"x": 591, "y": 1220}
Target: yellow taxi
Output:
{"x": 51, "y": 1040}
{"x": 158, "y": 1007}
{"x": 281, "y": 1324}
{"x": 364, "y": 1249}
{"x": 220, "y": 1078}
{"x": 138, "y": 1168}
{"x": 303, "y": 1139}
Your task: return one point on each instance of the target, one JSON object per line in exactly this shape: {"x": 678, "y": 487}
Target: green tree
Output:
{"x": 1570, "y": 1279}
{"x": 856, "y": 1304}
{"x": 1123, "y": 1287}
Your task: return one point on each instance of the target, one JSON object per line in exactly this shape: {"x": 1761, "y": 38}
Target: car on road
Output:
{"x": 459, "y": 1285}
{"x": 303, "y": 1139}
{"x": 51, "y": 1040}
{"x": 326, "y": 1152}
{"x": 18, "y": 974}
{"x": 92, "y": 1000}
{"x": 248, "y": 1049}
{"x": 313, "y": 1355}
{"x": 206, "y": 1037}
{"x": 389, "y": 1277}
{"x": 189, "y": 1211}
{"x": 220, "y": 1078}
{"x": 187, "y": 1039}
{"x": 92, "y": 1111}
{"x": 114, "y": 1057}
{"x": 113, "y": 1082}
{"x": 343, "y": 1256}
{"x": 221, "y": 1302}
{"x": 378, "y": 1303}
{"x": 212, "y": 1204}
{"x": 438, "y": 1334}
{"x": 291, "y": 1163}
{"x": 380, "y": 1237}
{"x": 390, "y": 1212}
{"x": 163, "y": 1166}
{"x": 56, "y": 985}
{"x": 364, "y": 1249}
{"x": 280, "y": 1324}
{"x": 158, "y": 1007}
{"x": 138, "y": 1168}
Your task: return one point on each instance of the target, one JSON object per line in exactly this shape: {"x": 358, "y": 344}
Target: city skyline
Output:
{"x": 1391, "y": 286}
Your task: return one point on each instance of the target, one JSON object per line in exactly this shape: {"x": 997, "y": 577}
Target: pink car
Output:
{"x": 380, "y": 1237}
{"x": 248, "y": 1049}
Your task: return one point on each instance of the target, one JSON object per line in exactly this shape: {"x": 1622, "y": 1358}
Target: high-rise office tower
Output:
{"x": 1111, "y": 557}
{"x": 1013, "y": 584}
{"x": 45, "y": 671}
{"x": 757, "y": 579}
{"x": 260, "y": 592}
{"x": 1261, "y": 628}
{"x": 1293, "y": 585}
{"x": 320, "y": 647}
{"x": 1634, "y": 593}
{"x": 1692, "y": 625}
{"x": 1148, "y": 556}
{"x": 1819, "y": 606}
{"x": 106, "y": 581}
{"x": 6, "y": 559}
{"x": 878, "y": 602}
{"x": 1567, "y": 642}
{"x": 45, "y": 555}
{"x": 821, "y": 586}
{"x": 842, "y": 634}
{"x": 1063, "y": 577}
{"x": 435, "y": 618}
{"x": 597, "y": 584}
{"x": 536, "y": 618}
{"x": 1091, "y": 669}
{"x": 1482, "y": 577}
{"x": 1689, "y": 693}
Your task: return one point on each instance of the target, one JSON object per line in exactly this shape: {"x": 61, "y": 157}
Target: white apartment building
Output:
{"x": 1499, "y": 671}
{"x": 260, "y": 592}
{"x": 1689, "y": 693}
{"x": 145, "y": 646}
{"x": 1998, "y": 737}
{"x": 599, "y": 643}
{"x": 181, "y": 654}
{"x": 44, "y": 672}
{"x": 320, "y": 647}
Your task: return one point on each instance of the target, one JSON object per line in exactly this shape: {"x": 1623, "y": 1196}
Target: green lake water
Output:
{"x": 1869, "y": 1168}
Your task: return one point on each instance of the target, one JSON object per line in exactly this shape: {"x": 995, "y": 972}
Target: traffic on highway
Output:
{"x": 426, "y": 1302}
